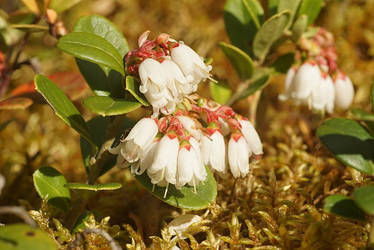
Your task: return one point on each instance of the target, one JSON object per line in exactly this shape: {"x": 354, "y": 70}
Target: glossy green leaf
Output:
{"x": 299, "y": 27}
{"x": 184, "y": 198}
{"x": 372, "y": 97}
{"x": 290, "y": 5}
{"x": 220, "y": 92}
{"x": 240, "y": 26}
{"x": 255, "y": 10}
{"x": 96, "y": 187}
{"x": 49, "y": 183}
{"x": 283, "y": 63}
{"x": 269, "y": 33}
{"x": 62, "y": 5}
{"x": 364, "y": 198}
{"x": 343, "y": 206}
{"x": 132, "y": 86}
{"x": 92, "y": 48}
{"x": 101, "y": 26}
{"x": 362, "y": 115}
{"x": 62, "y": 106}
{"x": 349, "y": 142}
{"x": 259, "y": 81}
{"x": 241, "y": 61}
{"x": 25, "y": 237}
{"x": 98, "y": 127}
{"x": 311, "y": 8}
{"x": 273, "y": 7}
{"x": 101, "y": 83}
{"x": 105, "y": 105}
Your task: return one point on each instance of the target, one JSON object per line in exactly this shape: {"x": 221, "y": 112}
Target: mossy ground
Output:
{"x": 278, "y": 206}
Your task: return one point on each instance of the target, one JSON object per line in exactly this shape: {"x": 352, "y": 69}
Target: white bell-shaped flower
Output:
{"x": 139, "y": 138}
{"x": 344, "y": 92}
{"x": 213, "y": 151}
{"x": 180, "y": 224}
{"x": 191, "y": 169}
{"x": 178, "y": 84}
{"x": 306, "y": 79}
{"x": 191, "y": 64}
{"x": 238, "y": 154}
{"x": 164, "y": 166}
{"x": 251, "y": 136}
{"x": 323, "y": 95}
{"x": 288, "y": 84}
{"x": 154, "y": 84}
{"x": 146, "y": 159}
{"x": 190, "y": 125}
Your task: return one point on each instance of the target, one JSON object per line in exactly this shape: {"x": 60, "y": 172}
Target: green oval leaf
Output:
{"x": 101, "y": 26}
{"x": 105, "y": 105}
{"x": 220, "y": 92}
{"x": 269, "y": 33}
{"x": 102, "y": 84}
{"x": 49, "y": 183}
{"x": 92, "y": 48}
{"x": 311, "y": 8}
{"x": 299, "y": 27}
{"x": 273, "y": 6}
{"x": 184, "y": 198}
{"x": 349, "y": 142}
{"x": 259, "y": 81}
{"x": 343, "y": 206}
{"x": 255, "y": 10}
{"x": 62, "y": 5}
{"x": 362, "y": 115}
{"x": 241, "y": 62}
{"x": 364, "y": 198}
{"x": 240, "y": 26}
{"x": 96, "y": 187}
{"x": 62, "y": 106}
{"x": 283, "y": 63}
{"x": 290, "y": 5}
{"x": 22, "y": 237}
{"x": 132, "y": 86}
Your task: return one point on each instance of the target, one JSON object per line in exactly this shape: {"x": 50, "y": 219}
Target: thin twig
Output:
{"x": 20, "y": 212}
{"x": 113, "y": 244}
{"x": 242, "y": 86}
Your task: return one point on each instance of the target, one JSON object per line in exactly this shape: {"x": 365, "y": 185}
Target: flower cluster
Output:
{"x": 315, "y": 79}
{"x": 191, "y": 133}
{"x": 175, "y": 149}
{"x": 168, "y": 71}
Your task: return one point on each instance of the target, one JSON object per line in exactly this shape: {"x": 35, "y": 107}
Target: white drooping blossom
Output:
{"x": 288, "y": 84}
{"x": 251, "y": 136}
{"x": 139, "y": 138}
{"x": 190, "y": 125}
{"x": 310, "y": 86}
{"x": 306, "y": 79}
{"x": 154, "y": 84}
{"x": 190, "y": 169}
{"x": 146, "y": 159}
{"x": 180, "y": 225}
{"x": 178, "y": 84}
{"x": 213, "y": 151}
{"x": 323, "y": 96}
{"x": 344, "y": 92}
{"x": 190, "y": 63}
{"x": 238, "y": 156}
{"x": 164, "y": 165}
